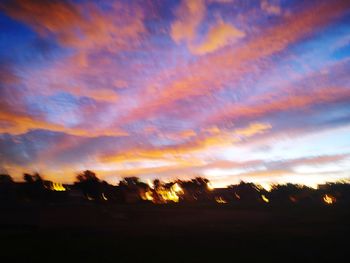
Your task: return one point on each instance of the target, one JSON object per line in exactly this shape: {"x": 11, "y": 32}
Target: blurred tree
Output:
{"x": 34, "y": 188}
{"x": 89, "y": 184}
{"x": 130, "y": 181}
{"x": 291, "y": 193}
{"x": 133, "y": 189}
{"x": 35, "y": 178}
{"x": 247, "y": 193}
{"x": 87, "y": 176}
{"x": 196, "y": 189}
{"x": 157, "y": 184}
{"x": 5, "y": 179}
{"x": 7, "y": 188}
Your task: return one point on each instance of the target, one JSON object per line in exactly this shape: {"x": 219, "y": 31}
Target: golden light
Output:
{"x": 172, "y": 194}
{"x": 210, "y": 186}
{"x": 150, "y": 184}
{"x": 220, "y": 200}
{"x": 148, "y": 196}
{"x": 265, "y": 199}
{"x": 329, "y": 199}
{"x": 177, "y": 188}
{"x": 166, "y": 195}
{"x": 266, "y": 186}
{"x": 57, "y": 187}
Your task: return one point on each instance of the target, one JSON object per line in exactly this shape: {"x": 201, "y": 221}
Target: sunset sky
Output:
{"x": 231, "y": 90}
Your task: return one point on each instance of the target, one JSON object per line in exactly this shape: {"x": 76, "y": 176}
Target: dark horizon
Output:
{"x": 198, "y": 189}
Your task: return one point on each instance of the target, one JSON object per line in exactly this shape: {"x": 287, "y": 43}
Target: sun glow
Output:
{"x": 329, "y": 199}
{"x": 265, "y": 199}
{"x": 57, "y": 187}
{"x": 220, "y": 200}
{"x": 164, "y": 195}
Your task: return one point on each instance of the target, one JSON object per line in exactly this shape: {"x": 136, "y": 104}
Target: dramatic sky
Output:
{"x": 230, "y": 90}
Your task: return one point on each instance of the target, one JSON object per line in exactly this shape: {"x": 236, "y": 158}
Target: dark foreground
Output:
{"x": 173, "y": 233}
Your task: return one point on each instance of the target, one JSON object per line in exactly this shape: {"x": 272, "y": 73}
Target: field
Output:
{"x": 173, "y": 233}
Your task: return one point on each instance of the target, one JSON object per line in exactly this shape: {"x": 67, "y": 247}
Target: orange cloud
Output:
{"x": 110, "y": 31}
{"x": 220, "y": 35}
{"x": 98, "y": 94}
{"x": 267, "y": 104}
{"x": 213, "y": 72}
{"x": 82, "y": 26}
{"x": 225, "y": 164}
{"x": 46, "y": 16}
{"x": 81, "y": 75}
{"x": 189, "y": 15}
{"x": 16, "y": 124}
{"x": 188, "y": 133}
{"x": 212, "y": 130}
{"x": 181, "y": 152}
{"x": 253, "y": 129}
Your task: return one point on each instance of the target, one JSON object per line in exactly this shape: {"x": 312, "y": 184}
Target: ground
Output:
{"x": 173, "y": 233}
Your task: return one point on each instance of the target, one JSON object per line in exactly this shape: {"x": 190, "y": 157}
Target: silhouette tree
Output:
{"x": 35, "y": 178}
{"x": 157, "y": 184}
{"x": 246, "y": 193}
{"x": 133, "y": 189}
{"x": 34, "y": 187}
{"x": 87, "y": 176}
{"x": 291, "y": 193}
{"x": 196, "y": 189}
{"x": 158, "y": 187}
{"x": 5, "y": 179}
{"x": 7, "y": 187}
{"x": 130, "y": 181}
{"x": 89, "y": 184}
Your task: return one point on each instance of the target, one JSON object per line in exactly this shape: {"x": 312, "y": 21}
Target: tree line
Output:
{"x": 89, "y": 188}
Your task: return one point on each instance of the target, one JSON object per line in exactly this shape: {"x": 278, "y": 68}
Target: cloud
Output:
{"x": 183, "y": 150}
{"x": 16, "y": 124}
{"x": 270, "y": 172}
{"x": 253, "y": 129}
{"x": 218, "y": 36}
{"x": 208, "y": 75}
{"x": 271, "y": 104}
{"x": 221, "y": 1}
{"x": 270, "y": 8}
{"x": 82, "y": 25}
{"x": 307, "y": 161}
{"x": 100, "y": 94}
{"x": 45, "y": 17}
{"x": 189, "y": 15}
{"x": 90, "y": 31}
{"x": 187, "y": 134}
{"x": 225, "y": 172}
{"x": 7, "y": 75}
{"x": 101, "y": 77}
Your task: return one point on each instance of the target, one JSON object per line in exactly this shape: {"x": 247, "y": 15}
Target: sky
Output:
{"x": 226, "y": 89}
